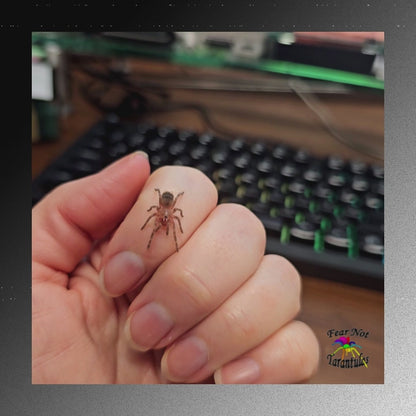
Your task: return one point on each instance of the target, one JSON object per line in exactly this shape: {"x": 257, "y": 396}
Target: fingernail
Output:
{"x": 148, "y": 325}
{"x": 122, "y": 273}
{"x": 243, "y": 371}
{"x": 186, "y": 358}
{"x": 141, "y": 153}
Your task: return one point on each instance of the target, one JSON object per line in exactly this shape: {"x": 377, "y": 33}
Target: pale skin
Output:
{"x": 217, "y": 310}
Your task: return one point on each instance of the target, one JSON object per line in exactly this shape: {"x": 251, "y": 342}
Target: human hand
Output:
{"x": 217, "y": 310}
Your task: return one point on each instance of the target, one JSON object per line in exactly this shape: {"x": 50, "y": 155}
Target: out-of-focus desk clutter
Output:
{"x": 290, "y": 125}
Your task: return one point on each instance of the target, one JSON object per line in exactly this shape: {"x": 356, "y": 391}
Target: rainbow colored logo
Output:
{"x": 347, "y": 346}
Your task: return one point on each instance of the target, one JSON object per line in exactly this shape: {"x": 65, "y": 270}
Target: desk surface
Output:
{"x": 285, "y": 117}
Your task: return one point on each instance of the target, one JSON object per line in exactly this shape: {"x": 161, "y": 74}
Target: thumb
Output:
{"x": 68, "y": 220}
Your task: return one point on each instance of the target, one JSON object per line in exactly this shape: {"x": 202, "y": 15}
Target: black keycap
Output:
{"x": 373, "y": 201}
{"x": 297, "y": 186}
{"x": 252, "y": 193}
{"x": 260, "y": 208}
{"x": 366, "y": 228}
{"x": 258, "y": 149}
{"x": 238, "y": 145}
{"x": 55, "y": 178}
{"x": 117, "y": 136}
{"x": 354, "y": 213}
{"x": 272, "y": 225}
{"x": 375, "y": 217}
{"x": 326, "y": 207}
{"x": 199, "y": 152}
{"x": 281, "y": 152}
{"x": 111, "y": 121}
{"x": 167, "y": 133}
{"x": 220, "y": 154}
{"x": 227, "y": 172}
{"x": 289, "y": 170}
{"x": 276, "y": 197}
{"x": 302, "y": 157}
{"x": 147, "y": 129}
{"x": 314, "y": 218}
{"x": 96, "y": 143}
{"x": 99, "y": 131}
{"x": 313, "y": 173}
{"x": 90, "y": 155}
{"x": 136, "y": 140}
{"x": 118, "y": 150}
{"x": 159, "y": 159}
{"x": 288, "y": 213}
{"x": 341, "y": 222}
{"x": 242, "y": 161}
{"x": 249, "y": 178}
{"x": 182, "y": 160}
{"x": 187, "y": 136}
{"x": 80, "y": 168}
{"x": 266, "y": 165}
{"x": 360, "y": 183}
{"x": 177, "y": 148}
{"x": 227, "y": 187}
{"x": 322, "y": 190}
{"x": 377, "y": 171}
{"x": 155, "y": 145}
{"x": 335, "y": 163}
{"x": 304, "y": 230}
{"x": 207, "y": 139}
{"x": 337, "y": 237}
{"x": 357, "y": 167}
{"x": 337, "y": 179}
{"x": 302, "y": 202}
{"x": 349, "y": 197}
{"x": 272, "y": 182}
{"x": 378, "y": 187}
{"x": 205, "y": 166}
{"x": 373, "y": 244}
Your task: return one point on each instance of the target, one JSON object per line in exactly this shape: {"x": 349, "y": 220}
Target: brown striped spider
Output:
{"x": 165, "y": 215}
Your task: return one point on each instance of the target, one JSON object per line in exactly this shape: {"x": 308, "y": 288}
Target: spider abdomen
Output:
{"x": 165, "y": 215}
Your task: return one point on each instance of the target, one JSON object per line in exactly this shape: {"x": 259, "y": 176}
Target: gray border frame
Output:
{"x": 396, "y": 396}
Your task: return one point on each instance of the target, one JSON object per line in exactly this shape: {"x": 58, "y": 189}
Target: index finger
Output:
{"x": 129, "y": 259}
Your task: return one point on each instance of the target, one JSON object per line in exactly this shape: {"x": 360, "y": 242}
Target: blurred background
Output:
{"x": 136, "y": 74}
{"x": 289, "y": 124}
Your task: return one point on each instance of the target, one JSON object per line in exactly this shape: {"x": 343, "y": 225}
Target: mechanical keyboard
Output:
{"x": 326, "y": 215}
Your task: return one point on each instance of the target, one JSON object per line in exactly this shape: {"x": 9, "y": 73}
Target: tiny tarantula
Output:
{"x": 165, "y": 215}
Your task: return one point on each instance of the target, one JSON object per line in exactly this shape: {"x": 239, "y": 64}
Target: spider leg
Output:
{"x": 153, "y": 206}
{"x": 359, "y": 355}
{"x": 179, "y": 222}
{"x": 174, "y": 236}
{"x": 144, "y": 225}
{"x": 362, "y": 359}
{"x": 177, "y": 196}
{"x": 178, "y": 209}
{"x": 339, "y": 348}
{"x": 151, "y": 236}
{"x": 167, "y": 229}
{"x": 160, "y": 196}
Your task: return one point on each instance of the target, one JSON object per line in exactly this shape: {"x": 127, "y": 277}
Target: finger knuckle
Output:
{"x": 288, "y": 274}
{"x": 194, "y": 289}
{"x": 244, "y": 223}
{"x": 239, "y": 323}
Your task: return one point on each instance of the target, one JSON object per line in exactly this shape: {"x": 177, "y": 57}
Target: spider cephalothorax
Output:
{"x": 165, "y": 215}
